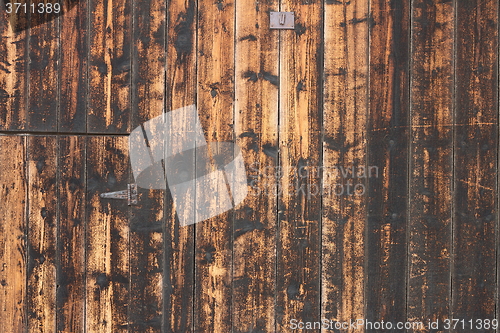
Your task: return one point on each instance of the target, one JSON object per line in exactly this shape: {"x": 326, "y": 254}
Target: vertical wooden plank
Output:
{"x": 146, "y": 234}
{"x": 13, "y": 74}
{"x": 345, "y": 172}
{"x": 109, "y": 66}
{"x": 299, "y": 200}
{"x": 43, "y": 72}
{"x": 107, "y": 236}
{"x": 73, "y": 66}
{"x": 215, "y": 96}
{"x": 388, "y": 145}
{"x": 71, "y": 235}
{"x": 146, "y": 262}
{"x": 256, "y": 125}
{"x": 42, "y": 233}
{"x": 179, "y": 241}
{"x": 148, "y": 61}
{"x": 476, "y": 163}
{"x": 431, "y": 160}
{"x": 13, "y": 252}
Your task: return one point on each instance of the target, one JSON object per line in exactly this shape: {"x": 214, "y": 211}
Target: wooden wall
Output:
{"x": 407, "y": 89}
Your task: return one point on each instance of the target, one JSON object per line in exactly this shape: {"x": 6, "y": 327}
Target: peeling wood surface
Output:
{"x": 370, "y": 139}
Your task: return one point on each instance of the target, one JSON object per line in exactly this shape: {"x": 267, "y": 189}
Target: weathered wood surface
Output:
{"x": 475, "y": 233}
{"x": 109, "y": 66}
{"x": 345, "y": 147}
{"x": 73, "y": 67}
{"x": 13, "y": 68}
{"x": 215, "y": 96}
{"x": 108, "y": 295}
{"x": 299, "y": 205}
{"x": 397, "y": 97}
{"x": 43, "y": 77}
{"x": 388, "y": 150}
{"x": 42, "y": 216}
{"x": 256, "y": 123}
{"x": 71, "y": 249}
{"x": 13, "y": 232}
{"x": 431, "y": 161}
{"x": 181, "y": 78}
{"x": 146, "y": 245}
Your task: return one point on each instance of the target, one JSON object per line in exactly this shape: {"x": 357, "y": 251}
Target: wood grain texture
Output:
{"x": 215, "y": 96}
{"x": 146, "y": 262}
{"x": 388, "y": 144}
{"x": 147, "y": 219}
{"x": 431, "y": 161}
{"x": 107, "y": 235}
{"x": 13, "y": 75}
{"x": 71, "y": 233}
{"x": 109, "y": 66}
{"x": 43, "y": 78}
{"x": 256, "y": 126}
{"x": 345, "y": 148}
{"x": 148, "y": 77}
{"x": 397, "y": 97}
{"x": 42, "y": 233}
{"x": 299, "y": 203}
{"x": 179, "y": 263}
{"x": 13, "y": 228}
{"x": 73, "y": 66}
{"x": 476, "y": 161}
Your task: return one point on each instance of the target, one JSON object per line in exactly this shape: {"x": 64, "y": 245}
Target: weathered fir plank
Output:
{"x": 147, "y": 219}
{"x": 476, "y": 164}
{"x": 215, "y": 96}
{"x": 107, "y": 236}
{"x": 13, "y": 229}
{"x": 109, "y": 66}
{"x": 42, "y": 233}
{"x": 43, "y": 68}
{"x": 256, "y": 126}
{"x": 13, "y": 74}
{"x": 299, "y": 202}
{"x": 431, "y": 161}
{"x": 345, "y": 148}
{"x": 71, "y": 234}
{"x": 179, "y": 240}
{"x": 73, "y": 66}
{"x": 388, "y": 143}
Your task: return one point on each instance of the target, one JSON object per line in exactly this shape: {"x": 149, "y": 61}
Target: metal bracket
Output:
{"x": 282, "y": 20}
{"x": 130, "y": 194}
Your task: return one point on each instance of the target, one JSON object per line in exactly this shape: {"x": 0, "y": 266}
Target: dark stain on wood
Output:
{"x": 184, "y": 36}
{"x": 273, "y": 79}
{"x": 250, "y": 38}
